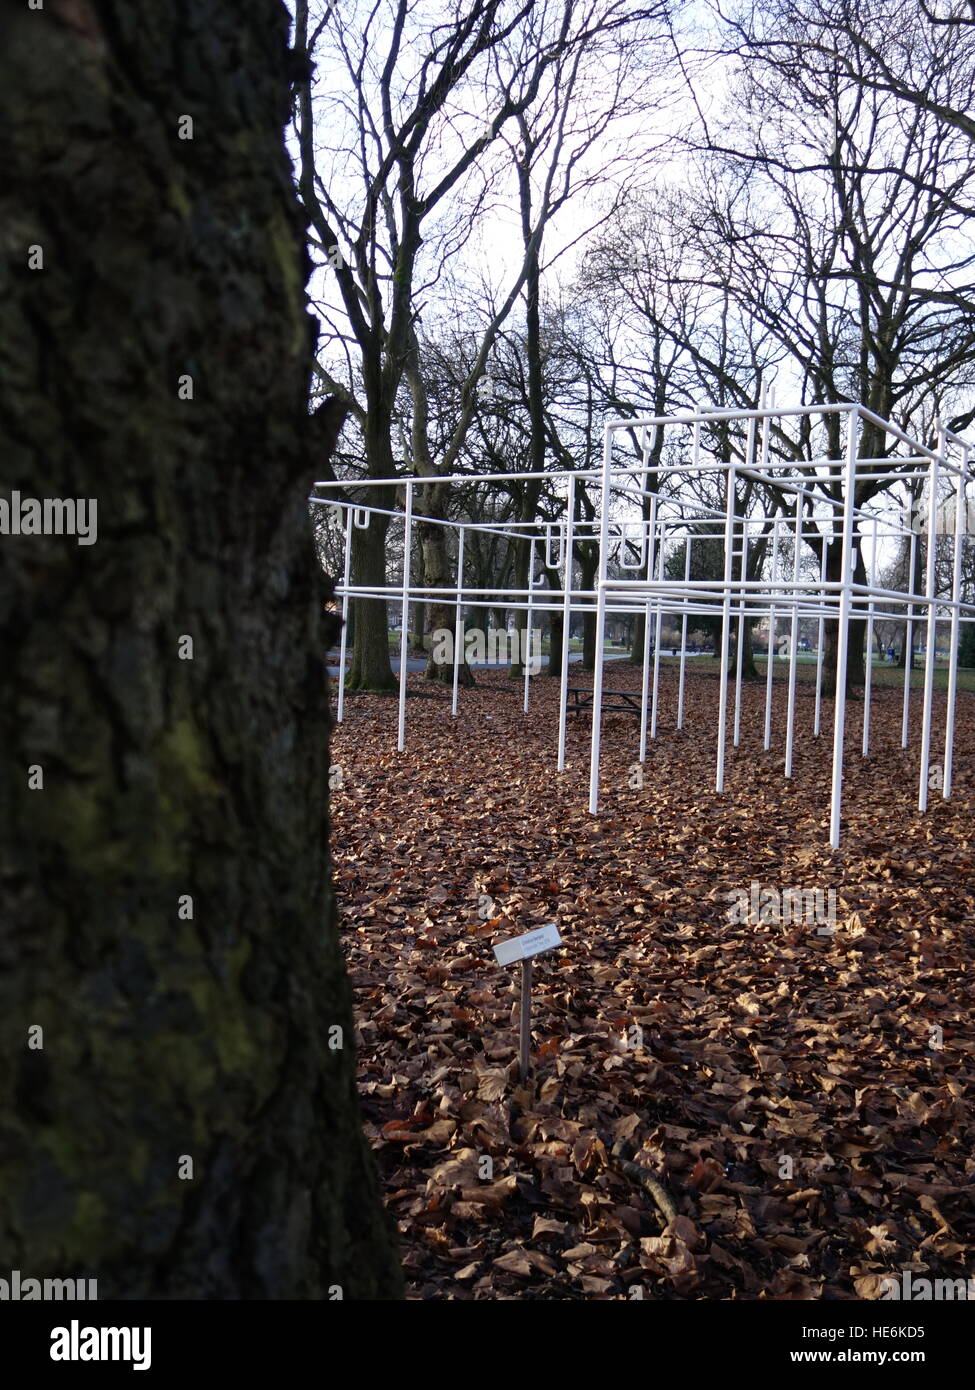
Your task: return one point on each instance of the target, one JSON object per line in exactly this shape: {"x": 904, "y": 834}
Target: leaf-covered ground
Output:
{"x": 802, "y": 1095}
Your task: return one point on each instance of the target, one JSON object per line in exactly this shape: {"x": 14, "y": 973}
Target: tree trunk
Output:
{"x": 189, "y": 1128}
{"x": 589, "y": 640}
{"x": 749, "y": 671}
{"x": 440, "y": 574}
{"x": 370, "y": 669}
{"x": 524, "y": 566}
{"x": 638, "y": 639}
{"x": 555, "y": 630}
{"x": 520, "y": 579}
{"x": 966, "y": 647}
{"x": 418, "y": 626}
{"x": 855, "y": 669}
{"x": 915, "y": 584}
{"x": 589, "y": 564}
{"x": 555, "y": 626}
{"x": 639, "y": 620}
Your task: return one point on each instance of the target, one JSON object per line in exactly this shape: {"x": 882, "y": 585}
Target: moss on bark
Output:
{"x": 165, "y": 779}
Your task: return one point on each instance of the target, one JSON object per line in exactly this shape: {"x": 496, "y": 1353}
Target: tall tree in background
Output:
{"x": 399, "y": 158}
{"x": 394, "y": 132}
{"x": 189, "y": 1126}
{"x": 830, "y": 219}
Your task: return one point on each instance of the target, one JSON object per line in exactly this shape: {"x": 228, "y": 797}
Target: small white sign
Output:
{"x": 531, "y": 944}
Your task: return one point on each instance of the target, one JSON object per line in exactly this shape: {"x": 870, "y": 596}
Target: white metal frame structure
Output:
{"x": 637, "y": 513}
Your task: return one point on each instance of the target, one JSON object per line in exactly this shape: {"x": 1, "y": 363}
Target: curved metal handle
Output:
{"x": 638, "y": 564}
{"x": 550, "y": 526}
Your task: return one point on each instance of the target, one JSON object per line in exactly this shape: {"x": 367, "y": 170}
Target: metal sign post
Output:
{"x": 525, "y": 948}
{"x": 526, "y": 1015}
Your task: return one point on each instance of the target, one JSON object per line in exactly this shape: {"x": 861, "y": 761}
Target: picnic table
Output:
{"x": 621, "y": 701}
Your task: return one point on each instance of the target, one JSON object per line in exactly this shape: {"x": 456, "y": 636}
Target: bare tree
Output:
{"x": 412, "y": 125}
{"x": 838, "y": 221}
{"x": 188, "y": 1127}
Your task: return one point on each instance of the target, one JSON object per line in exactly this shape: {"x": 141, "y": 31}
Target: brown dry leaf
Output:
{"x": 546, "y": 1225}
{"x": 782, "y": 1086}
{"x": 492, "y": 1085}
{"x": 491, "y": 1194}
{"x": 870, "y": 1286}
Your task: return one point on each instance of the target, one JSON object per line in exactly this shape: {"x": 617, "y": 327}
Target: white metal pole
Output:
{"x": 659, "y": 625}
{"x": 740, "y": 654}
{"x": 525, "y": 1018}
{"x": 931, "y": 640}
{"x": 651, "y": 547}
{"x": 820, "y": 643}
{"x": 790, "y": 727}
{"x": 908, "y": 641}
{"x": 566, "y": 621}
{"x": 961, "y": 527}
{"x": 647, "y": 553}
{"x": 868, "y": 668}
{"x": 729, "y": 546}
{"x": 597, "y": 684}
{"x": 405, "y": 619}
{"x": 683, "y": 632}
{"x": 458, "y": 619}
{"x": 343, "y": 646}
{"x": 839, "y": 714}
{"x": 767, "y": 740}
{"x": 527, "y": 634}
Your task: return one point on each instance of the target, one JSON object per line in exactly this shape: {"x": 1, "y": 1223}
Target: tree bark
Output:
{"x": 855, "y": 668}
{"x": 440, "y": 574}
{"x": 169, "y": 918}
{"x": 555, "y": 626}
{"x": 915, "y": 584}
{"x": 370, "y": 668}
{"x": 418, "y": 627}
{"x": 637, "y": 639}
{"x": 588, "y": 564}
{"x": 749, "y": 671}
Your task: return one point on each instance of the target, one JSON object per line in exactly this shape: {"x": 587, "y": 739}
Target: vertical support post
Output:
{"x": 458, "y": 619}
{"x": 661, "y": 547}
{"x": 566, "y": 620}
{"x": 404, "y": 633}
{"x": 729, "y": 547}
{"x": 597, "y": 682}
{"x": 839, "y": 716}
{"x": 740, "y": 653}
{"x": 961, "y": 527}
{"x": 770, "y": 663}
{"x": 344, "y": 643}
{"x": 739, "y": 650}
{"x": 527, "y": 634}
{"x": 820, "y": 642}
{"x": 790, "y": 727}
{"x": 651, "y": 549}
{"x": 868, "y": 667}
{"x": 683, "y": 630}
{"x": 909, "y": 641}
{"x": 931, "y": 639}
{"x": 525, "y": 1018}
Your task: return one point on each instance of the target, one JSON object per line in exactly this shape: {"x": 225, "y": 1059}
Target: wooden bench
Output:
{"x": 625, "y": 701}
